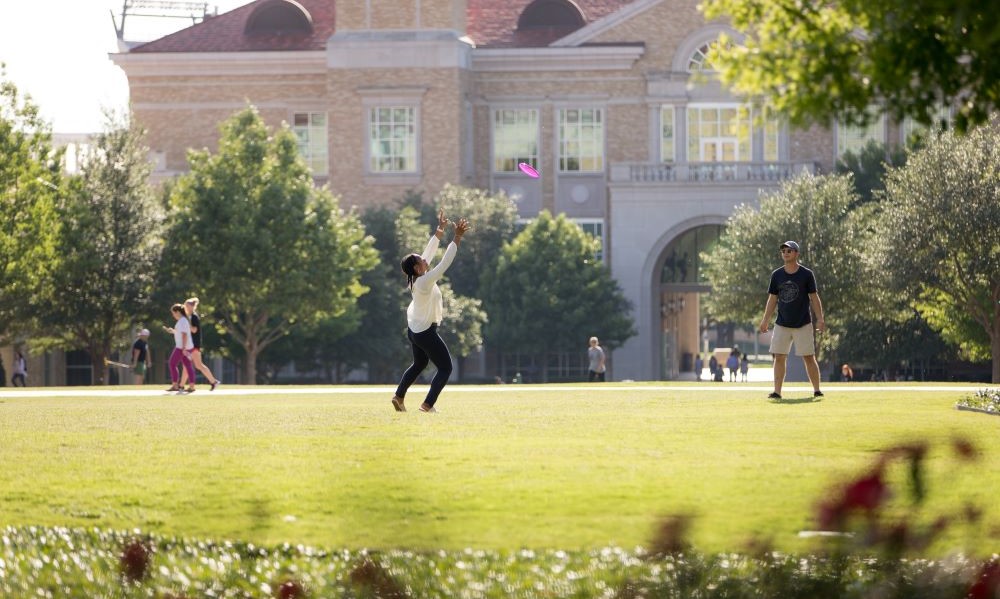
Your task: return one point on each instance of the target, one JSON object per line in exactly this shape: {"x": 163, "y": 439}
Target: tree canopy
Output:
{"x": 29, "y": 169}
{"x": 820, "y": 60}
{"x": 814, "y": 211}
{"x": 255, "y": 239}
{"x": 108, "y": 246}
{"x": 550, "y": 293}
{"x": 939, "y": 237}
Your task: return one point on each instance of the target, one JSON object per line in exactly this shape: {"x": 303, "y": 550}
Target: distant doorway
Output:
{"x": 685, "y": 331}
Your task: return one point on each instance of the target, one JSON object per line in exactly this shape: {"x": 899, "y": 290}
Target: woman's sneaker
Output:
{"x": 426, "y": 408}
{"x": 397, "y": 402}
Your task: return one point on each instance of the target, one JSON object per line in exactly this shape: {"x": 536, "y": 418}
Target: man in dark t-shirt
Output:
{"x": 792, "y": 291}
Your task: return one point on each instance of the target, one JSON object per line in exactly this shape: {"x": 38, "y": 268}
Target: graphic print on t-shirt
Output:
{"x": 788, "y": 292}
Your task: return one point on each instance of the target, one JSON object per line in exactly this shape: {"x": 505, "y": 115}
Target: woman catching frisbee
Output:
{"x": 424, "y": 315}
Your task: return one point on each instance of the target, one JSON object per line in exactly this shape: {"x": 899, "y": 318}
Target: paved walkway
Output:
{"x": 704, "y": 387}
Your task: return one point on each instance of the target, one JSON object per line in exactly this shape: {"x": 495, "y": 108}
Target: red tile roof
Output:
{"x": 225, "y": 33}
{"x": 491, "y": 23}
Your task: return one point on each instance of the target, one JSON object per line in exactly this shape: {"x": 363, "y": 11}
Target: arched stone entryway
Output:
{"x": 679, "y": 284}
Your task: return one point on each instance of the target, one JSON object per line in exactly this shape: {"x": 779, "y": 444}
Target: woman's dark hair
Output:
{"x": 408, "y": 265}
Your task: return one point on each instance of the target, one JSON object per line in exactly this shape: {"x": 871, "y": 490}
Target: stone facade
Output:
{"x": 628, "y": 64}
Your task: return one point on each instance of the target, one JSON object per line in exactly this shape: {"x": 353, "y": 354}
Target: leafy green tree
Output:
{"x": 464, "y": 319}
{"x": 314, "y": 347}
{"x": 816, "y": 212}
{"x": 493, "y": 217}
{"x": 379, "y": 342}
{"x": 868, "y": 167}
{"x": 820, "y": 60}
{"x": 252, "y": 235}
{"x": 30, "y": 223}
{"x": 549, "y": 293}
{"x": 884, "y": 344}
{"x": 939, "y": 237}
{"x": 109, "y": 247}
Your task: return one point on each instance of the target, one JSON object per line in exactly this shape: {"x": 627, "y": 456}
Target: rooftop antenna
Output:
{"x": 170, "y": 9}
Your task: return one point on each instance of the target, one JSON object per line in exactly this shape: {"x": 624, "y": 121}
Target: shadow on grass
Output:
{"x": 796, "y": 400}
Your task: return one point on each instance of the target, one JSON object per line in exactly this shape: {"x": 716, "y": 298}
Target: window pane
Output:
{"x": 393, "y": 139}
{"x": 852, "y": 138}
{"x": 719, "y": 133}
{"x": 667, "y": 134}
{"x": 311, "y": 133}
{"x": 581, "y": 140}
{"x": 515, "y": 139}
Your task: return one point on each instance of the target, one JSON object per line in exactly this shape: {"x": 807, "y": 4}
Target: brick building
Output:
{"x": 612, "y": 100}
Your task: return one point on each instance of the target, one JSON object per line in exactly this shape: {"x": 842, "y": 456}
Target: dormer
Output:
{"x": 279, "y": 17}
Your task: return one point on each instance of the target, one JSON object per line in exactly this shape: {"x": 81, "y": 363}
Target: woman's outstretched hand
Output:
{"x": 460, "y": 228}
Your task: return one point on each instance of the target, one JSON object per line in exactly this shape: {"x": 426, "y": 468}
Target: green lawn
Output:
{"x": 498, "y": 468}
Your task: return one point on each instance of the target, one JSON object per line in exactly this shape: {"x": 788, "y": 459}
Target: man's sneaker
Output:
{"x": 426, "y": 408}
{"x": 397, "y": 402}
{"x": 817, "y": 394}
{"x": 214, "y": 385}
{"x": 774, "y": 396}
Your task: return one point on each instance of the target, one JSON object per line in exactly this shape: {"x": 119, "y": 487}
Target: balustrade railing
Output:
{"x": 711, "y": 172}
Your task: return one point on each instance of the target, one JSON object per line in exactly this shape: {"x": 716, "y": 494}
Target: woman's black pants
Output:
{"x": 427, "y": 346}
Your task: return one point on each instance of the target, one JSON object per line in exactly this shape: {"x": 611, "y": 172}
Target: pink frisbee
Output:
{"x": 527, "y": 169}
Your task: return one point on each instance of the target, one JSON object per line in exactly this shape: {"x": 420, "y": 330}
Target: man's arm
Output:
{"x": 772, "y": 303}
{"x": 817, "y": 308}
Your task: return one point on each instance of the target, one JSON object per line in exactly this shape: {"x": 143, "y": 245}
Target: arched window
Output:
{"x": 699, "y": 58}
{"x": 551, "y": 14}
{"x": 277, "y": 17}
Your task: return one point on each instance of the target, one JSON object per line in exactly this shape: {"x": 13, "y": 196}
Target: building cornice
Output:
{"x": 591, "y": 58}
{"x": 202, "y": 64}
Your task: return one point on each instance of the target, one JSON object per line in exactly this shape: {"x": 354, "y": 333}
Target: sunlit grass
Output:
{"x": 498, "y": 469}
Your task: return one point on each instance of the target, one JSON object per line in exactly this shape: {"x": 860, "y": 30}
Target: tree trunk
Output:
{"x": 250, "y": 365}
{"x": 995, "y": 351}
{"x": 97, "y": 365}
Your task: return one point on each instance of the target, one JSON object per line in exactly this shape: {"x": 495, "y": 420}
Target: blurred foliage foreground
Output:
{"x": 861, "y": 553}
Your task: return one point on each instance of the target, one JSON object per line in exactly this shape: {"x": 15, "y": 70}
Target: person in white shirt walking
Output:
{"x": 182, "y": 349}
{"x": 424, "y": 315}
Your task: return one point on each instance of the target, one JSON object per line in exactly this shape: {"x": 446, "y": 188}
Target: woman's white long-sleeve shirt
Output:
{"x": 427, "y": 307}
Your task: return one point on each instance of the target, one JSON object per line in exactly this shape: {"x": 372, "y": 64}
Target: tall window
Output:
{"x": 581, "y": 139}
{"x": 393, "y": 139}
{"x": 594, "y": 227}
{"x": 719, "y": 133}
{"x": 310, "y": 129}
{"x": 853, "y": 139}
{"x": 515, "y": 139}
{"x": 911, "y": 128}
{"x": 667, "y": 153}
{"x": 772, "y": 131}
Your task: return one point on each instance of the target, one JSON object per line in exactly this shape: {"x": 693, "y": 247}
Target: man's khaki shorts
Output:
{"x": 782, "y": 338}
